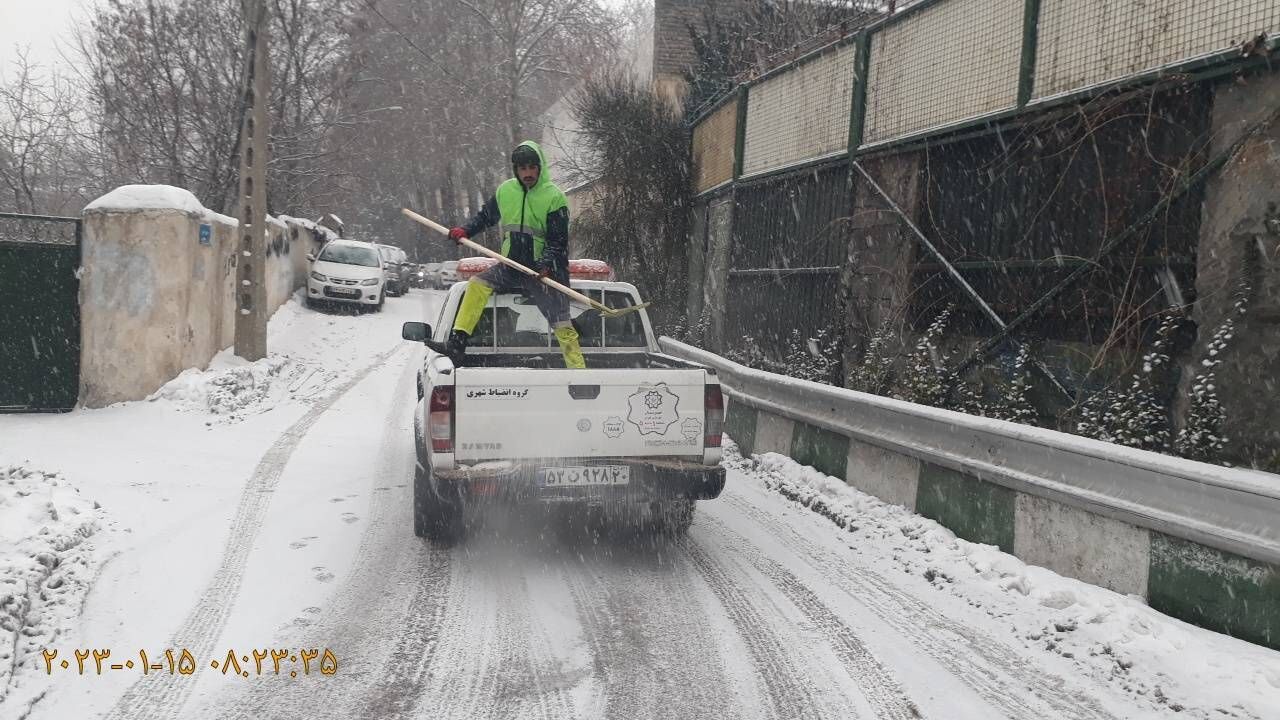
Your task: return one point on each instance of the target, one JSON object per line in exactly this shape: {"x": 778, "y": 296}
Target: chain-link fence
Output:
{"x": 937, "y": 65}
{"x": 789, "y": 239}
{"x": 947, "y": 63}
{"x": 1084, "y": 43}
{"x": 1017, "y": 214}
{"x": 800, "y": 114}
{"x": 1018, "y": 210}
{"x": 713, "y": 147}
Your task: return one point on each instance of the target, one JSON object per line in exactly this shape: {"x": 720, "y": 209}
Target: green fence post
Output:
{"x": 740, "y": 132}
{"x": 858, "y": 108}
{"x": 1030, "y": 40}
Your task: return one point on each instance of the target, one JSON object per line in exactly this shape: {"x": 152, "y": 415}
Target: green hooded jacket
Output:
{"x": 534, "y": 222}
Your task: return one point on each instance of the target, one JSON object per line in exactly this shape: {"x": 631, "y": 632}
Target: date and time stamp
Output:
{"x": 293, "y": 663}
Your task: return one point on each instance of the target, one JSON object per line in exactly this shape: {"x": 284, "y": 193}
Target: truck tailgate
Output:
{"x": 516, "y": 413}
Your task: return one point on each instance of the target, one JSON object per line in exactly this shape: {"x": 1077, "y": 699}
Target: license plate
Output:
{"x": 585, "y": 476}
{"x": 343, "y": 291}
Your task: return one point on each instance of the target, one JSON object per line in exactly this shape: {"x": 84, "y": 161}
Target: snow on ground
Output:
{"x": 48, "y": 557}
{"x": 126, "y": 510}
{"x": 1115, "y": 640}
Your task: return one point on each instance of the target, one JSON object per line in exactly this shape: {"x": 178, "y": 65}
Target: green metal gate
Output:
{"x": 39, "y": 313}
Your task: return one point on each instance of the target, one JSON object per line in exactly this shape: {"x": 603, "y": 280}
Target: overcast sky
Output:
{"x": 38, "y": 24}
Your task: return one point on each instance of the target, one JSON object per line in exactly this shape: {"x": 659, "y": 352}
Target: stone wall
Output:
{"x": 1239, "y": 241}
{"x": 876, "y": 277}
{"x": 157, "y": 288}
{"x": 716, "y": 268}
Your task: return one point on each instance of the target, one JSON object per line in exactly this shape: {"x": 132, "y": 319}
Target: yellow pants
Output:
{"x": 472, "y": 307}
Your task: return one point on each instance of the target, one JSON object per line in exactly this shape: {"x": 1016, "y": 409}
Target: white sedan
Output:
{"x": 347, "y": 271}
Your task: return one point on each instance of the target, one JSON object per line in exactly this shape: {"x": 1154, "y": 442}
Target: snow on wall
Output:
{"x": 128, "y": 198}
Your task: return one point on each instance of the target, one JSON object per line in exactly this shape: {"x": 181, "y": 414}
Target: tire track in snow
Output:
{"x": 788, "y": 695}
{"x": 393, "y": 597}
{"x": 403, "y": 673}
{"x": 460, "y": 673}
{"x": 163, "y": 695}
{"x": 952, "y": 644}
{"x": 878, "y": 685}
{"x": 523, "y": 690}
{"x": 651, "y": 652}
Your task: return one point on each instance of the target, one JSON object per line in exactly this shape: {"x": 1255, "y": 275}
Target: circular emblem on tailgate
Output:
{"x": 613, "y": 427}
{"x": 584, "y": 425}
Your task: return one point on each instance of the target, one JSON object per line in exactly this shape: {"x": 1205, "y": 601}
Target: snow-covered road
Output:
{"x": 292, "y": 530}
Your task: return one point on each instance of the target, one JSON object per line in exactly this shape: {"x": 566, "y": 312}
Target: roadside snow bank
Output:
{"x": 47, "y": 563}
{"x": 232, "y": 388}
{"x": 1110, "y": 637}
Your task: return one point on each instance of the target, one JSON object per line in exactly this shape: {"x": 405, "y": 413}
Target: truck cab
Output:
{"x": 636, "y": 434}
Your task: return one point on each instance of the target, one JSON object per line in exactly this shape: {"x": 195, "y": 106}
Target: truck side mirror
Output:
{"x": 415, "y": 331}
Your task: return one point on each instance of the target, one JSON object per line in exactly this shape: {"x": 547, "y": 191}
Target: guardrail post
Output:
{"x": 858, "y": 108}
{"x": 740, "y": 132}
{"x": 1030, "y": 42}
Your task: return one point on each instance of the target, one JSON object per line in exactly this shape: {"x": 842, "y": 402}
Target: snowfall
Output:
{"x": 265, "y": 505}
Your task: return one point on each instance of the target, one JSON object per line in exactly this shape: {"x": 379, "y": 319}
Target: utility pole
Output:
{"x": 251, "y": 256}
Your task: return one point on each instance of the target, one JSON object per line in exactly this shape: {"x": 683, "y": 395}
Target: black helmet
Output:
{"x": 525, "y": 155}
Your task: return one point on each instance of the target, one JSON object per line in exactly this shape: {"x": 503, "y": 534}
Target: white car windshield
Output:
{"x": 349, "y": 255}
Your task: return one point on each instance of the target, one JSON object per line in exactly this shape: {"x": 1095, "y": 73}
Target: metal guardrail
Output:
{"x": 1234, "y": 510}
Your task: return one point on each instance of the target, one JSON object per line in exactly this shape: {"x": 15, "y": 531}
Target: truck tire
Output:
{"x": 438, "y": 521}
{"x": 677, "y": 516}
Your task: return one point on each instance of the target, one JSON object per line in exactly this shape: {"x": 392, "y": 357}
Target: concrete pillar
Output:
{"x": 719, "y": 239}
{"x": 1240, "y": 239}
{"x": 881, "y": 252}
{"x": 697, "y": 264}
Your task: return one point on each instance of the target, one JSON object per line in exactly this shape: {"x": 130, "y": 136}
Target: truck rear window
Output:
{"x": 519, "y": 324}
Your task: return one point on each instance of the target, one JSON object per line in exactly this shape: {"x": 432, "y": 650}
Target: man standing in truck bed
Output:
{"x": 534, "y": 217}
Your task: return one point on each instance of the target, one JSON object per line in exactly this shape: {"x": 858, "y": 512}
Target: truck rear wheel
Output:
{"x": 433, "y": 518}
{"x": 677, "y": 516}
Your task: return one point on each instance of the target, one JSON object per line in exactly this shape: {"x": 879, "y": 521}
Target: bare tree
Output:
{"x": 468, "y": 78}
{"x": 37, "y": 132}
{"x": 163, "y": 79}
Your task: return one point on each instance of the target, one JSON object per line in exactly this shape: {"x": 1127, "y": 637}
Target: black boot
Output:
{"x": 455, "y": 347}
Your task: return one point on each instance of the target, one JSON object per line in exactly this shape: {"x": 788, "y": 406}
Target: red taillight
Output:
{"x": 440, "y": 419}
{"x": 714, "y": 408}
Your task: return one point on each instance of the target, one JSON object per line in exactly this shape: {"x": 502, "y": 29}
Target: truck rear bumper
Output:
{"x": 651, "y": 480}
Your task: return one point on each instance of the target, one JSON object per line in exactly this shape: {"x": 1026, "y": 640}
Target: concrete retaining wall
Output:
{"x": 156, "y": 293}
{"x": 1078, "y": 507}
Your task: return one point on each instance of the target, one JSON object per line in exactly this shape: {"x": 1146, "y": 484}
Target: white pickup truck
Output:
{"x": 636, "y": 434}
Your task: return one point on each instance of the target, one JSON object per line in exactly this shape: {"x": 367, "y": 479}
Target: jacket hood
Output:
{"x": 544, "y": 174}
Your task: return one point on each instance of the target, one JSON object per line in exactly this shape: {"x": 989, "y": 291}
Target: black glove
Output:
{"x": 544, "y": 267}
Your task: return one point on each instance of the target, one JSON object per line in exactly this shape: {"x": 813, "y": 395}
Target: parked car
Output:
{"x": 346, "y": 271}
{"x": 448, "y": 273}
{"x": 418, "y": 276}
{"x": 394, "y": 261}
{"x": 432, "y": 270}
